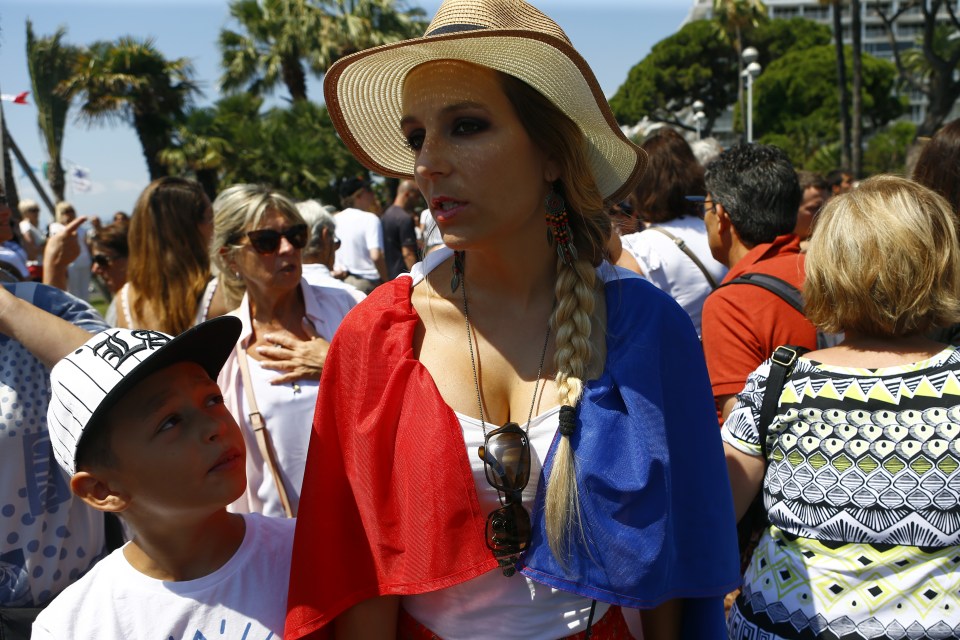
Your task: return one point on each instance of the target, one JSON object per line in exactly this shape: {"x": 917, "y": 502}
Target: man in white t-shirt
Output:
{"x": 361, "y": 236}
{"x": 33, "y": 238}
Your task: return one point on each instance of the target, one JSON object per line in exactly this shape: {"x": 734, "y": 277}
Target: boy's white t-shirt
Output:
{"x": 359, "y": 232}
{"x": 245, "y": 598}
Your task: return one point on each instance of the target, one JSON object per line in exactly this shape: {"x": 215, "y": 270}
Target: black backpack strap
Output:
{"x": 781, "y": 364}
{"x": 781, "y": 288}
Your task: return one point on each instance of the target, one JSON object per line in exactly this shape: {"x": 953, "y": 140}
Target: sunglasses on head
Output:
{"x": 506, "y": 457}
{"x": 266, "y": 241}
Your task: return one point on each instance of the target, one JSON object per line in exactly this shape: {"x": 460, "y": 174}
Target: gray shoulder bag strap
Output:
{"x": 683, "y": 247}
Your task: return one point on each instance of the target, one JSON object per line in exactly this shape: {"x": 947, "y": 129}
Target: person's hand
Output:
{"x": 61, "y": 250}
{"x": 294, "y": 358}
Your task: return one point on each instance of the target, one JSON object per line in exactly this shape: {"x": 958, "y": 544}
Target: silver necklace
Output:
{"x": 473, "y": 365}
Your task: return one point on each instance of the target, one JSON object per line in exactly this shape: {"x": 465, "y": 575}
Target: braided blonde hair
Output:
{"x": 576, "y": 287}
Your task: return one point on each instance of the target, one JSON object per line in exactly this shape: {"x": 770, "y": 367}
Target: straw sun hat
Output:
{"x": 363, "y": 90}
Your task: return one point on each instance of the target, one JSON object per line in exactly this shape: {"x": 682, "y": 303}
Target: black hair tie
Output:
{"x": 568, "y": 420}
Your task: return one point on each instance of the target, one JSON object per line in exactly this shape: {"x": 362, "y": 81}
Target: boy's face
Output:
{"x": 175, "y": 445}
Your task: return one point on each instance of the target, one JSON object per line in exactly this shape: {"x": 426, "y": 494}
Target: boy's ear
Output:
{"x": 97, "y": 493}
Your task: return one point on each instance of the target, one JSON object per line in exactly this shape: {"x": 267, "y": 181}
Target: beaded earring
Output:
{"x": 558, "y": 227}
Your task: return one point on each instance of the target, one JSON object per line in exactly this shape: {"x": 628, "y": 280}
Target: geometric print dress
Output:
{"x": 862, "y": 489}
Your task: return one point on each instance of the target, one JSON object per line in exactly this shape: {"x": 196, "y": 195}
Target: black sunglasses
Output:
{"x": 506, "y": 456}
{"x": 102, "y": 260}
{"x": 266, "y": 241}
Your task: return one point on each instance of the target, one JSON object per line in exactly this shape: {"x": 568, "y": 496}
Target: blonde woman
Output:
{"x": 861, "y": 480}
{"x": 274, "y": 372}
{"x": 515, "y": 440}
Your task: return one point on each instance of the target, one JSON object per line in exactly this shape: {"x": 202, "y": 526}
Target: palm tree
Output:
{"x": 856, "y": 132}
{"x": 198, "y": 149}
{"x": 279, "y": 37}
{"x": 844, "y": 94}
{"x": 282, "y": 40}
{"x": 354, "y": 25}
{"x": 735, "y": 18}
{"x": 130, "y": 81}
{"x": 51, "y": 62}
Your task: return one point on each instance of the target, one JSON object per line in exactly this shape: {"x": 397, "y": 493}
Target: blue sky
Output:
{"x": 612, "y": 35}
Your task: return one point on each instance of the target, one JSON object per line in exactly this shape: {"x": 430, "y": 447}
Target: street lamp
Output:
{"x": 698, "y": 114}
{"x": 753, "y": 70}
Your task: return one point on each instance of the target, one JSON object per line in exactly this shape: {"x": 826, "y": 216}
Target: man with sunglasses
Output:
{"x": 361, "y": 236}
{"x": 750, "y": 213}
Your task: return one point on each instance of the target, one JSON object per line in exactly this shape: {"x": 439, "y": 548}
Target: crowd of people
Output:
{"x": 564, "y": 386}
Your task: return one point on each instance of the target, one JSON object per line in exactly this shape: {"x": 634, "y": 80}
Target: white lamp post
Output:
{"x": 698, "y": 114}
{"x": 752, "y": 70}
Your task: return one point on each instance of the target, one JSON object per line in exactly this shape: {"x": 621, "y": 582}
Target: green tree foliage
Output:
{"x": 293, "y": 148}
{"x": 796, "y": 97}
{"x": 198, "y": 150}
{"x": 50, "y": 62}
{"x": 280, "y": 41}
{"x": 130, "y": 81}
{"x": 887, "y": 150}
{"x": 696, "y": 63}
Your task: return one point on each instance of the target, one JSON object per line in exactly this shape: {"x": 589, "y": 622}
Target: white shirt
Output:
{"x": 359, "y": 233}
{"x": 524, "y": 609}
{"x": 288, "y": 413}
{"x": 30, "y": 230}
{"x": 245, "y": 598}
{"x": 670, "y": 269}
{"x": 319, "y": 274}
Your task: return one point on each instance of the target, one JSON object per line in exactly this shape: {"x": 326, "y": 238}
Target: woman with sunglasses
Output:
{"x": 517, "y": 440}
{"x": 287, "y": 324}
{"x": 111, "y": 250}
{"x": 169, "y": 284}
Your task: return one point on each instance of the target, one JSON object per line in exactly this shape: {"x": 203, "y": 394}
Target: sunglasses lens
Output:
{"x": 101, "y": 261}
{"x": 508, "y": 529}
{"x": 296, "y": 235}
{"x": 506, "y": 453}
{"x": 268, "y": 240}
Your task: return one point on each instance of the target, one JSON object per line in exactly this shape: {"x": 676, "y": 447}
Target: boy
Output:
{"x": 138, "y": 423}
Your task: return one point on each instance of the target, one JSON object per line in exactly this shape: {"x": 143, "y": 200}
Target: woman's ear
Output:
{"x": 551, "y": 170}
{"x": 98, "y": 492}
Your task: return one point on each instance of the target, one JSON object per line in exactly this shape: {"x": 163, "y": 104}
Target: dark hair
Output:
{"x": 758, "y": 187}
{"x": 812, "y": 179}
{"x": 94, "y": 449}
{"x": 672, "y": 174}
{"x": 114, "y": 237}
{"x": 938, "y": 166}
{"x": 835, "y": 177}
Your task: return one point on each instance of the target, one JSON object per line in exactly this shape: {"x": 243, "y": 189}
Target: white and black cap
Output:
{"x": 88, "y": 382}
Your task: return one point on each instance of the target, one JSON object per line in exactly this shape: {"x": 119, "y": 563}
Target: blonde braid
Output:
{"x": 571, "y": 322}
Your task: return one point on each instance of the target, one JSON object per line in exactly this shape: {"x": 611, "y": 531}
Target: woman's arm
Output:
{"x": 374, "y": 619}
{"x": 746, "y": 477}
{"x": 46, "y": 336}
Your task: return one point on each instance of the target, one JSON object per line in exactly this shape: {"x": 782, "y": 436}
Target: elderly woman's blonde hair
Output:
{"x": 884, "y": 261}
{"x": 236, "y": 210}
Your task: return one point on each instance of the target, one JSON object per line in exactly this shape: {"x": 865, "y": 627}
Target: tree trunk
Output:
{"x": 57, "y": 180}
{"x": 738, "y": 44}
{"x": 856, "y": 155}
{"x": 209, "y": 180}
{"x": 154, "y": 137}
{"x": 842, "y": 87}
{"x": 294, "y": 78}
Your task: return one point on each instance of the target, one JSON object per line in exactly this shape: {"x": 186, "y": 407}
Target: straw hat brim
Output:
{"x": 363, "y": 96}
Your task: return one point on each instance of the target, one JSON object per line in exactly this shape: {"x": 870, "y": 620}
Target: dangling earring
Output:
{"x": 558, "y": 227}
{"x": 458, "y": 257}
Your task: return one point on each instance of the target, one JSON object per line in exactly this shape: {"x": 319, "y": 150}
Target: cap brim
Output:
{"x": 208, "y": 344}
{"x": 363, "y": 96}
